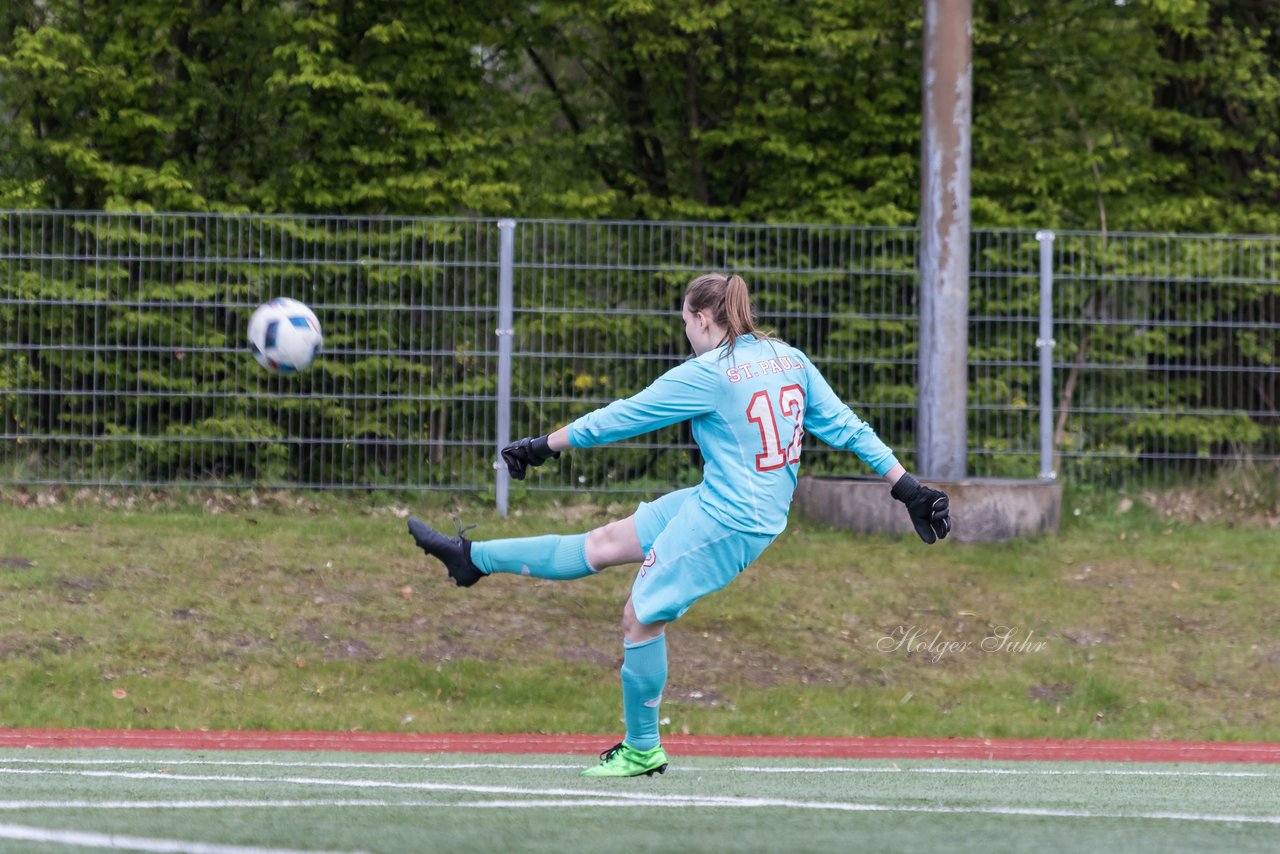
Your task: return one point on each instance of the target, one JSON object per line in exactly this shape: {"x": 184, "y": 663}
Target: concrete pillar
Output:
{"x": 944, "y": 238}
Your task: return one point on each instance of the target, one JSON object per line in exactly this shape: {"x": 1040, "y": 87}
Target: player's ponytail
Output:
{"x": 727, "y": 300}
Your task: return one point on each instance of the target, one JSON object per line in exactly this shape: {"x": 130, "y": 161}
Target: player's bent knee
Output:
{"x": 613, "y": 544}
{"x": 636, "y": 631}
{"x": 599, "y": 552}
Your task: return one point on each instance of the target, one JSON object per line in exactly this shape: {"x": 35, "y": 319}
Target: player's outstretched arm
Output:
{"x": 534, "y": 451}
{"x": 929, "y": 508}
{"x": 683, "y": 392}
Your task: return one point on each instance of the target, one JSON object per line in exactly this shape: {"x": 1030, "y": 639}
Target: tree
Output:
{"x": 761, "y": 111}
{"x": 343, "y": 106}
{"x": 1150, "y": 114}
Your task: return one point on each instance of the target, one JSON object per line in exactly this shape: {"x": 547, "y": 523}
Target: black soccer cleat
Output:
{"x": 453, "y": 552}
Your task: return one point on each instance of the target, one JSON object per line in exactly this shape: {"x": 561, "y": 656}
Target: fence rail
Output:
{"x": 123, "y": 360}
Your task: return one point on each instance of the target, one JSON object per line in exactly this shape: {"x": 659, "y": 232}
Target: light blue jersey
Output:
{"x": 749, "y": 411}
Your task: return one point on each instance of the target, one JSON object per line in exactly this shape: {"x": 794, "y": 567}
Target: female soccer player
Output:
{"x": 750, "y": 398}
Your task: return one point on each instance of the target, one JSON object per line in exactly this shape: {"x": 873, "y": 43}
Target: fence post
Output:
{"x": 1045, "y": 343}
{"x": 506, "y": 334}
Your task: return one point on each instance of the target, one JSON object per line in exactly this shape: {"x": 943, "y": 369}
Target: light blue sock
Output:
{"x": 552, "y": 556}
{"x": 644, "y": 675}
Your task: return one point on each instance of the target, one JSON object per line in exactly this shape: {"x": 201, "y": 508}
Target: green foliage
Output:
{"x": 1147, "y": 115}
{"x": 1153, "y": 115}
{"x": 760, "y": 111}
{"x": 315, "y": 106}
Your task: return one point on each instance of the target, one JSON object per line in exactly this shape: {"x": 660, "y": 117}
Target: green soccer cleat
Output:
{"x": 623, "y": 760}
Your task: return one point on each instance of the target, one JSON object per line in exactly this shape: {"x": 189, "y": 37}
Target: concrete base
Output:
{"x": 983, "y": 510}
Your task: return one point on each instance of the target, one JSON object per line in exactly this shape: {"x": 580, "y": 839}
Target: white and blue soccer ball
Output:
{"x": 284, "y": 335}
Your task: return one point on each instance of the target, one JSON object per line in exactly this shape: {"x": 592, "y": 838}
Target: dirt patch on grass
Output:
{"x": 335, "y": 647}
{"x": 708, "y": 662}
{"x": 82, "y": 583}
{"x": 213, "y": 501}
{"x": 580, "y": 654}
{"x": 36, "y": 646}
{"x": 1248, "y": 496}
{"x": 1087, "y": 637}
{"x": 1103, "y": 575}
{"x": 706, "y": 697}
{"x": 444, "y": 650}
{"x": 343, "y": 650}
{"x": 1050, "y": 693}
{"x": 237, "y": 646}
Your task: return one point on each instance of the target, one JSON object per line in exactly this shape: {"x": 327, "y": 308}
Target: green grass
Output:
{"x": 287, "y": 612}
{"x": 385, "y": 803}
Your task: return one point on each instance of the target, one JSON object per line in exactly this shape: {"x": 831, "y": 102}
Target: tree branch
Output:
{"x": 549, "y": 80}
{"x": 697, "y": 170}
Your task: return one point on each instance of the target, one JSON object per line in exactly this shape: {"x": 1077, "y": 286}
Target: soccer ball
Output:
{"x": 284, "y": 335}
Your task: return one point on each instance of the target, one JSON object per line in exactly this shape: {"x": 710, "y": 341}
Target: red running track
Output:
{"x": 1085, "y": 750}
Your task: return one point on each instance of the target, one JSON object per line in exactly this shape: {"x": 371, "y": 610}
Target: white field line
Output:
{"x": 1012, "y": 772}
{"x": 132, "y": 843}
{"x": 590, "y": 797}
{"x": 211, "y": 804}
{"x": 273, "y": 763}
{"x": 321, "y": 781}
{"x": 609, "y": 802}
{"x": 747, "y": 769}
{"x": 838, "y": 806}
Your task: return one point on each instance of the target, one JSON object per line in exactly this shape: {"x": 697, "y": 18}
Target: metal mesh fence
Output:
{"x": 123, "y": 359}
{"x": 1169, "y": 355}
{"x": 124, "y": 356}
{"x": 598, "y": 318}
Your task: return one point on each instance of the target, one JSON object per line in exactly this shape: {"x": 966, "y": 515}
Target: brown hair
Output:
{"x": 726, "y": 299}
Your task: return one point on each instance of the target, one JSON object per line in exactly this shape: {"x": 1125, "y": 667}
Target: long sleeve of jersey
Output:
{"x": 686, "y": 391}
{"x": 831, "y": 420}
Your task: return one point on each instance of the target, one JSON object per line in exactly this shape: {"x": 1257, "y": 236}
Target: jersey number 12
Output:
{"x": 760, "y": 413}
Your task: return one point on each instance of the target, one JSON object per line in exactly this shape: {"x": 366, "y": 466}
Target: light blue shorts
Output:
{"x": 687, "y": 555}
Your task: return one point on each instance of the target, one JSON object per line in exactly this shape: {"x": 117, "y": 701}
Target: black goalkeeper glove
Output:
{"x": 928, "y": 508}
{"x": 527, "y": 452}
